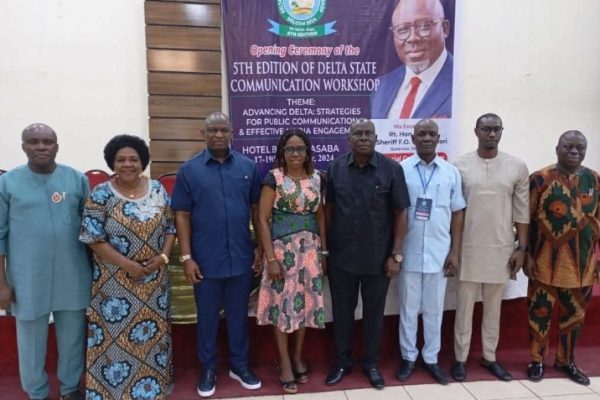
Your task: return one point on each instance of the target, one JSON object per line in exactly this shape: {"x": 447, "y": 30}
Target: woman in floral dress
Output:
{"x": 128, "y": 223}
{"x": 292, "y": 231}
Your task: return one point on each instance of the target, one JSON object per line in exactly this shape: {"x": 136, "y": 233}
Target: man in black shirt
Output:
{"x": 366, "y": 200}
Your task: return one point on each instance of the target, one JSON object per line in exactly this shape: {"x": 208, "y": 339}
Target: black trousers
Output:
{"x": 344, "y": 297}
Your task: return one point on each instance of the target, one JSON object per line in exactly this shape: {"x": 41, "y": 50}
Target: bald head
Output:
{"x": 571, "y": 133}
{"x": 426, "y": 124}
{"x": 217, "y": 133}
{"x": 216, "y": 117}
{"x": 426, "y": 138}
{"x": 420, "y": 32}
{"x": 433, "y": 8}
{"x": 40, "y": 145}
{"x": 362, "y": 123}
{"x": 570, "y": 150}
{"x": 37, "y": 129}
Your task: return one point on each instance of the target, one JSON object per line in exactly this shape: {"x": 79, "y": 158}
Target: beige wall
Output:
{"x": 79, "y": 65}
{"x": 536, "y": 63}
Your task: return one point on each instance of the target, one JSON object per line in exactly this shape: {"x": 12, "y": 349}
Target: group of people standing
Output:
{"x": 366, "y": 221}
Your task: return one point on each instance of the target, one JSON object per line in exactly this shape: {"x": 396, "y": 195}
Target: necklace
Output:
{"x": 131, "y": 193}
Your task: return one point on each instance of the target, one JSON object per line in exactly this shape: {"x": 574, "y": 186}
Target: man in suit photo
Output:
{"x": 422, "y": 86}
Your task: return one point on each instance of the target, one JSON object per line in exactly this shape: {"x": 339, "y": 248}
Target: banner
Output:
{"x": 319, "y": 65}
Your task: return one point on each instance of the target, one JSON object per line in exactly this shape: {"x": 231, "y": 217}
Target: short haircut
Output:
{"x": 487, "y": 115}
{"x": 280, "y": 154}
{"x": 120, "y": 141}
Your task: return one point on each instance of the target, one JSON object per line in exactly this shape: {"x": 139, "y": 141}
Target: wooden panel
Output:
{"x": 184, "y": 61}
{"x": 165, "y": 150}
{"x": 171, "y": 128}
{"x": 171, "y": 13}
{"x": 185, "y": 38}
{"x": 158, "y": 168}
{"x": 184, "y": 84}
{"x": 182, "y": 107}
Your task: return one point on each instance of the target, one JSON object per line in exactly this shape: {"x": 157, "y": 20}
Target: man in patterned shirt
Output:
{"x": 565, "y": 227}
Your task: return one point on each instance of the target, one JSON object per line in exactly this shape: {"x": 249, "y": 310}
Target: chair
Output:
{"x": 168, "y": 181}
{"x": 96, "y": 177}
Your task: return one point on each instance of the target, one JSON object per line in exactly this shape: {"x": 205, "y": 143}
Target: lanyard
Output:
{"x": 423, "y": 183}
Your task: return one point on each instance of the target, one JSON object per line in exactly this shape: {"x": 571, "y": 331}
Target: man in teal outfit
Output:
{"x": 43, "y": 267}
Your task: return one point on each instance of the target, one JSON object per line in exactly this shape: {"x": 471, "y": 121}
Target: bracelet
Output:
{"x": 324, "y": 252}
{"x": 165, "y": 257}
{"x": 270, "y": 260}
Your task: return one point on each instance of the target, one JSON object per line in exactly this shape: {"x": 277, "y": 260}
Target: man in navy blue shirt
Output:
{"x": 215, "y": 193}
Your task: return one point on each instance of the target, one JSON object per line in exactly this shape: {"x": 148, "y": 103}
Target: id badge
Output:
{"x": 423, "y": 209}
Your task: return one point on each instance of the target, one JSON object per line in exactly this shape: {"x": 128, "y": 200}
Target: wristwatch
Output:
{"x": 184, "y": 257}
{"x": 522, "y": 247}
{"x": 398, "y": 257}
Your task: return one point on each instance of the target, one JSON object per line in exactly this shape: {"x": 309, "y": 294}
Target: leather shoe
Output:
{"x": 497, "y": 370}
{"x": 337, "y": 375}
{"x": 535, "y": 371}
{"x": 459, "y": 371}
{"x": 375, "y": 377}
{"x": 573, "y": 373}
{"x": 437, "y": 373}
{"x": 405, "y": 371}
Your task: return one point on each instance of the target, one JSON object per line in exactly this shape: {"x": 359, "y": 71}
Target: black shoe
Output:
{"x": 459, "y": 371}
{"x": 207, "y": 382}
{"x": 405, "y": 371}
{"x": 337, "y": 375}
{"x": 573, "y": 373}
{"x": 535, "y": 371}
{"x": 437, "y": 373}
{"x": 497, "y": 370}
{"x": 76, "y": 395}
{"x": 375, "y": 377}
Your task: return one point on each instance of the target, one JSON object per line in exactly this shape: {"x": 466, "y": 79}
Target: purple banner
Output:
{"x": 315, "y": 65}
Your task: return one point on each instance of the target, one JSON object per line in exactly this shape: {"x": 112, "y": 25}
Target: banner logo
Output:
{"x": 301, "y": 15}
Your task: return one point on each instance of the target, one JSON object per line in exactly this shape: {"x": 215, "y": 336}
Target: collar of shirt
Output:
{"x": 416, "y": 160}
{"x": 427, "y": 77}
{"x": 209, "y": 157}
{"x": 372, "y": 160}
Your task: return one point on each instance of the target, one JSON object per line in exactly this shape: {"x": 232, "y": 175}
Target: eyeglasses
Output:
{"x": 295, "y": 149}
{"x": 423, "y": 29}
{"x": 489, "y": 129}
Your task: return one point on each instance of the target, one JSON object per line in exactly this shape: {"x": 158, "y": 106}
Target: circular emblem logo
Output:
{"x": 301, "y": 12}
{"x": 56, "y": 197}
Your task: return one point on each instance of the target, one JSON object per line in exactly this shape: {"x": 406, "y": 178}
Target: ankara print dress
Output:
{"x": 129, "y": 334}
{"x": 296, "y": 301}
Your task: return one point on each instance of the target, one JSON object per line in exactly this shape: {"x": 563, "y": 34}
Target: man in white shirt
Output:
{"x": 422, "y": 86}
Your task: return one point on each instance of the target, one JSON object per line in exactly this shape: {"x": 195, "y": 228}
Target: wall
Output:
{"x": 535, "y": 63}
{"x": 80, "y": 66}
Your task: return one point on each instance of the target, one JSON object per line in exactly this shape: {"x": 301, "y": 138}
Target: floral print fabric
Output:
{"x": 296, "y": 301}
{"x": 129, "y": 334}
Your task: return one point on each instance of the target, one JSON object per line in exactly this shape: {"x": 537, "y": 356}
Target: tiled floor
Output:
{"x": 548, "y": 389}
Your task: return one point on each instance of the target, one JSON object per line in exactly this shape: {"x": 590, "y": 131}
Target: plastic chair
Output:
{"x": 96, "y": 177}
{"x": 168, "y": 181}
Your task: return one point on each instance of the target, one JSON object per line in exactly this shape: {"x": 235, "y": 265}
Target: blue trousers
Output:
{"x": 32, "y": 339}
{"x": 233, "y": 293}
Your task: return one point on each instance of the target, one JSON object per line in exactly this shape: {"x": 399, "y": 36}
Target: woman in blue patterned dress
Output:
{"x": 128, "y": 223}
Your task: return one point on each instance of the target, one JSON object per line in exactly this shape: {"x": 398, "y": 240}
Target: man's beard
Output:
{"x": 419, "y": 67}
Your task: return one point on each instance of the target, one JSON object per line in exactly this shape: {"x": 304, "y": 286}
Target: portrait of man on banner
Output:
{"x": 421, "y": 87}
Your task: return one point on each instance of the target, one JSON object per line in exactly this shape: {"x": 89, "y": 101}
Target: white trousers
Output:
{"x": 421, "y": 293}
